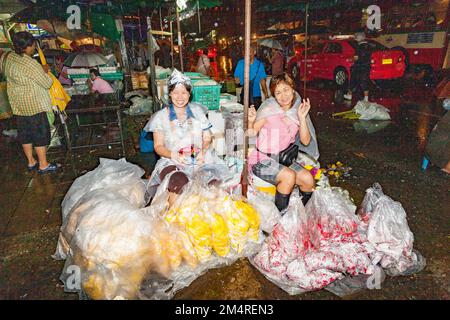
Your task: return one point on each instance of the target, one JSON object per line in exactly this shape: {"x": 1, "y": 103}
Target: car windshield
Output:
{"x": 375, "y": 46}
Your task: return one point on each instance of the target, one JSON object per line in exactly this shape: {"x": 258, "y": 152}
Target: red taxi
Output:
{"x": 332, "y": 60}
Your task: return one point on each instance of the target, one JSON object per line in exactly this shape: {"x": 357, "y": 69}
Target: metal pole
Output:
{"x": 180, "y": 44}
{"x": 171, "y": 41}
{"x": 152, "y": 63}
{"x": 306, "y": 48}
{"x": 248, "y": 21}
{"x": 199, "y": 21}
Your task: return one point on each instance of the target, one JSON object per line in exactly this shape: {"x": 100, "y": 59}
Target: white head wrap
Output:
{"x": 179, "y": 78}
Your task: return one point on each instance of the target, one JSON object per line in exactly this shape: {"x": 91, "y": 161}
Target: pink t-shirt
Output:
{"x": 276, "y": 135}
{"x": 101, "y": 86}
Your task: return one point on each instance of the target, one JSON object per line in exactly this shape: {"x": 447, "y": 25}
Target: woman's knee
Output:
{"x": 305, "y": 179}
{"x": 287, "y": 176}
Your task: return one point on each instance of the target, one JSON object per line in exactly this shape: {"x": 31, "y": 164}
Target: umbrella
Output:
{"x": 271, "y": 43}
{"x": 85, "y": 59}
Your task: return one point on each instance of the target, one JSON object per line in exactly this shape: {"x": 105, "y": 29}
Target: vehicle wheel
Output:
{"x": 340, "y": 77}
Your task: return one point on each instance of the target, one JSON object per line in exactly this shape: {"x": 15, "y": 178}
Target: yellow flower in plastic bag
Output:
{"x": 94, "y": 286}
{"x": 251, "y": 216}
{"x": 199, "y": 230}
{"x": 221, "y": 239}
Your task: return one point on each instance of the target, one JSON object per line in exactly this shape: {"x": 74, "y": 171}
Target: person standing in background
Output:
{"x": 360, "y": 71}
{"x": 277, "y": 62}
{"x": 257, "y": 78}
{"x": 203, "y": 64}
{"x": 28, "y": 86}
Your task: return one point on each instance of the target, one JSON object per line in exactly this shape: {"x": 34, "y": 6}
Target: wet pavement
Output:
{"x": 389, "y": 153}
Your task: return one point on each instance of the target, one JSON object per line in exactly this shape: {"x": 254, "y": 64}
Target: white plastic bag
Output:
{"x": 371, "y": 111}
{"x": 389, "y": 234}
{"x": 311, "y": 248}
{"x": 119, "y": 175}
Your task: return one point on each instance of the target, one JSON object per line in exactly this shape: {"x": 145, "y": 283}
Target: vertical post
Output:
{"x": 180, "y": 44}
{"x": 171, "y": 41}
{"x": 306, "y": 48}
{"x": 248, "y": 7}
{"x": 151, "y": 59}
{"x": 199, "y": 21}
{"x": 124, "y": 55}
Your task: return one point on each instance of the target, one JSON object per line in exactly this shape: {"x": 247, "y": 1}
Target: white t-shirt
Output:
{"x": 180, "y": 135}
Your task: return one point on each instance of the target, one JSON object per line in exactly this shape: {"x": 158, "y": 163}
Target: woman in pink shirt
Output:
{"x": 281, "y": 121}
{"x": 97, "y": 84}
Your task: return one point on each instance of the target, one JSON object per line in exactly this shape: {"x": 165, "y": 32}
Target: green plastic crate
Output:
{"x": 208, "y": 96}
{"x": 194, "y": 75}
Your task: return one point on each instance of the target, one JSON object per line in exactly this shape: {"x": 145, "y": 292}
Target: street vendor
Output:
{"x": 281, "y": 122}
{"x": 181, "y": 130}
{"x": 97, "y": 84}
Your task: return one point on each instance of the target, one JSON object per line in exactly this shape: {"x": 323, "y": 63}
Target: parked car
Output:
{"x": 332, "y": 59}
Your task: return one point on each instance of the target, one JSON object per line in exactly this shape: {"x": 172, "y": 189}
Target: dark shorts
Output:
{"x": 268, "y": 169}
{"x": 33, "y": 130}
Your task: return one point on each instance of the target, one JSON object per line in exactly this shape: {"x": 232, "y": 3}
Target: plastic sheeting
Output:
{"x": 388, "y": 232}
{"x": 111, "y": 176}
{"x": 123, "y": 250}
{"x": 371, "y": 111}
{"x": 327, "y": 246}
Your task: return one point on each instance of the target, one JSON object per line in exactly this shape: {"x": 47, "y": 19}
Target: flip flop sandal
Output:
{"x": 51, "y": 168}
{"x": 34, "y": 167}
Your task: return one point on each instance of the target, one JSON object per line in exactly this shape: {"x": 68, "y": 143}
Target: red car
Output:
{"x": 332, "y": 60}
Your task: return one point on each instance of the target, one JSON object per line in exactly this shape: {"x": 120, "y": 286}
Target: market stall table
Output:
{"x": 94, "y": 104}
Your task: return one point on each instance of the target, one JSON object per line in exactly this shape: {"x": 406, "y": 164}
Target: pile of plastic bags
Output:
{"x": 124, "y": 250}
{"x": 326, "y": 244}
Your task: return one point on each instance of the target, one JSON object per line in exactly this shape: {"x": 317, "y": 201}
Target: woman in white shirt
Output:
{"x": 203, "y": 64}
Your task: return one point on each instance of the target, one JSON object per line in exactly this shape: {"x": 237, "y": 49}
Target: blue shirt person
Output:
{"x": 257, "y": 74}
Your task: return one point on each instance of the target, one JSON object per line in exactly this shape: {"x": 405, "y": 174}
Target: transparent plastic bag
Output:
{"x": 389, "y": 234}
{"x": 117, "y": 177}
{"x": 216, "y": 229}
{"x": 118, "y": 174}
{"x": 287, "y": 241}
{"x": 266, "y": 208}
{"x": 314, "y": 246}
{"x": 115, "y": 244}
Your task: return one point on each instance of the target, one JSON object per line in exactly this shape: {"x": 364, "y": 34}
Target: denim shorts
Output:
{"x": 268, "y": 169}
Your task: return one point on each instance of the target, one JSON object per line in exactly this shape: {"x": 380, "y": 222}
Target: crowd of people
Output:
{"x": 181, "y": 130}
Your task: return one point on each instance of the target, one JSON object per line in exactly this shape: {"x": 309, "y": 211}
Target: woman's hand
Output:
{"x": 46, "y": 68}
{"x": 177, "y": 157}
{"x": 304, "y": 108}
{"x": 251, "y": 114}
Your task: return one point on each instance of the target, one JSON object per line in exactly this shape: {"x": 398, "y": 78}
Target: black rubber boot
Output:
{"x": 281, "y": 201}
{"x": 305, "y": 197}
